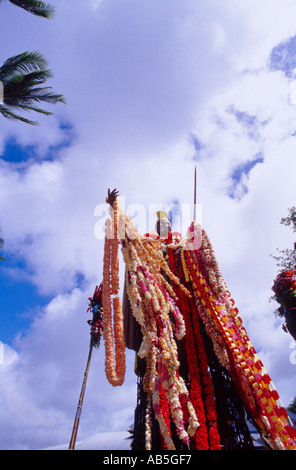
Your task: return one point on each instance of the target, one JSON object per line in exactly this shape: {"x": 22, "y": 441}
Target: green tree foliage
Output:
{"x": 291, "y": 219}
{"x": 34, "y": 6}
{"x": 292, "y": 406}
{"x": 286, "y": 259}
{"x": 24, "y": 75}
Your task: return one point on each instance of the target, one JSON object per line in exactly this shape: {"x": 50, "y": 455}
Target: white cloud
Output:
{"x": 41, "y": 386}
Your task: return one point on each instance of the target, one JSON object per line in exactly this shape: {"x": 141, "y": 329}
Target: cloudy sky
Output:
{"x": 152, "y": 88}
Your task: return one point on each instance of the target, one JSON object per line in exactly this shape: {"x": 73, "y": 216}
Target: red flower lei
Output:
{"x": 165, "y": 410}
{"x": 201, "y": 387}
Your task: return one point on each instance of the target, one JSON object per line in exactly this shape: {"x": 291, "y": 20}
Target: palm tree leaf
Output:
{"x": 22, "y": 63}
{"x": 26, "y": 81}
{"x": 22, "y": 76}
{"x": 36, "y": 7}
{"x": 22, "y": 93}
{"x": 28, "y": 107}
{"x": 38, "y": 110}
{"x": 8, "y": 114}
{"x": 42, "y": 94}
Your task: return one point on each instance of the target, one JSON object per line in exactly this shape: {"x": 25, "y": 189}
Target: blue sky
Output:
{"x": 19, "y": 300}
{"x": 152, "y": 89}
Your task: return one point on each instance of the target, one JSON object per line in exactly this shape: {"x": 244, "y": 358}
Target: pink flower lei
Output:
{"x": 153, "y": 301}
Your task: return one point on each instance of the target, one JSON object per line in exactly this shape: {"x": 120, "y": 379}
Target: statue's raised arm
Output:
{"x": 112, "y": 195}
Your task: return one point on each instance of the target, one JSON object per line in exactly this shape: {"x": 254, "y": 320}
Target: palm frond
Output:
{"x": 35, "y": 7}
{"x": 37, "y": 110}
{"x": 8, "y": 114}
{"x": 25, "y": 62}
{"x": 21, "y": 94}
{"x": 24, "y": 86}
{"x": 22, "y": 77}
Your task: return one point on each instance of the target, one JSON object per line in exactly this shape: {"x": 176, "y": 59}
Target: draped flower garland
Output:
{"x": 171, "y": 298}
{"x": 153, "y": 303}
{"x": 254, "y": 385}
{"x": 284, "y": 288}
{"x": 115, "y": 363}
{"x": 96, "y": 307}
{"x": 201, "y": 388}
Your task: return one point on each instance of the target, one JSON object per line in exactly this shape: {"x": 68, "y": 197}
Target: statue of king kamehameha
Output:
{"x": 199, "y": 377}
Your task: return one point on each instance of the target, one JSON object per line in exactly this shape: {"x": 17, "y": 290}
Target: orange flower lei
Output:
{"x": 114, "y": 373}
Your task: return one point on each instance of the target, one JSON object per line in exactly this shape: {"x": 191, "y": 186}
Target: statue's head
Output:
{"x": 163, "y": 226}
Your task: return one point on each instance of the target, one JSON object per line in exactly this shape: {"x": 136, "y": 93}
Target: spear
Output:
{"x": 95, "y": 337}
{"x": 194, "y": 196}
{"x": 80, "y": 403}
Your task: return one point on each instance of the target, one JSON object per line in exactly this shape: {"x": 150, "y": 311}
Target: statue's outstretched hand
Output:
{"x": 112, "y": 195}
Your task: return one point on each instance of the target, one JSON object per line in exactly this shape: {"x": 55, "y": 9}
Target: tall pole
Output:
{"x": 194, "y": 196}
{"x": 80, "y": 402}
{"x": 95, "y": 305}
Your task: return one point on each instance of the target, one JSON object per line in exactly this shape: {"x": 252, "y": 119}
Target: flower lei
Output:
{"x": 115, "y": 373}
{"x": 201, "y": 387}
{"x": 284, "y": 287}
{"x": 154, "y": 307}
{"x": 96, "y": 306}
{"x": 252, "y": 381}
